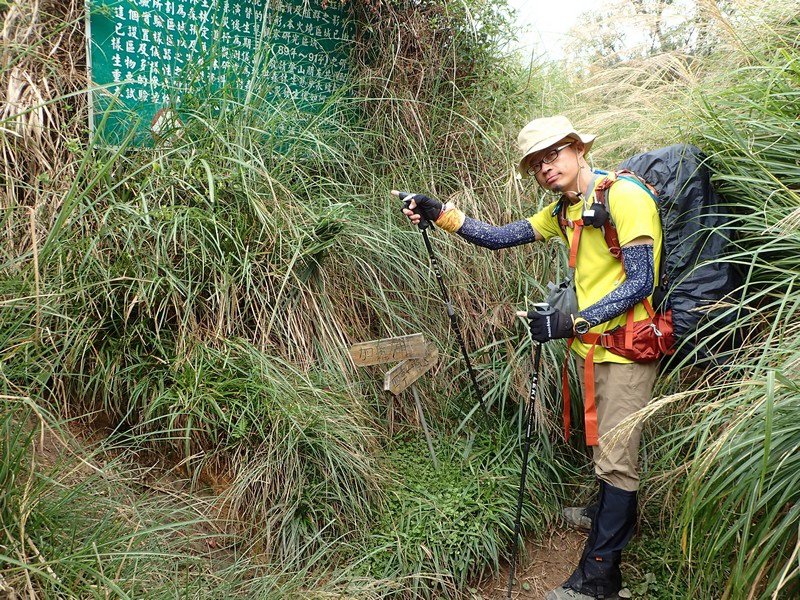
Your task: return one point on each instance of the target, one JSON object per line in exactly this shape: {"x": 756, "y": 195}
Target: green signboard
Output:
{"x": 146, "y": 57}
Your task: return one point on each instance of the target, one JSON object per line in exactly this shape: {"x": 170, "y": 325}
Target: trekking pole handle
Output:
{"x": 423, "y": 222}
{"x": 541, "y": 308}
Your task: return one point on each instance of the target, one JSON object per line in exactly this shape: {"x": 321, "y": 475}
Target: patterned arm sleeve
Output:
{"x": 638, "y": 285}
{"x": 495, "y": 238}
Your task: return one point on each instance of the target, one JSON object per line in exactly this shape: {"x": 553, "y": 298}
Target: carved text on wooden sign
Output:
{"x": 407, "y": 372}
{"x": 387, "y": 350}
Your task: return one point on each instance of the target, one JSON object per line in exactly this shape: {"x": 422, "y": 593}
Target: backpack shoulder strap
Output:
{"x": 629, "y": 175}
{"x": 609, "y": 230}
{"x": 601, "y": 196}
{"x": 560, "y": 214}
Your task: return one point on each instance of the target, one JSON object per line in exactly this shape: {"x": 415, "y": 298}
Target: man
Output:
{"x": 607, "y": 287}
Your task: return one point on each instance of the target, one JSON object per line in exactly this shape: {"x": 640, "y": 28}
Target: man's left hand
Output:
{"x": 551, "y": 326}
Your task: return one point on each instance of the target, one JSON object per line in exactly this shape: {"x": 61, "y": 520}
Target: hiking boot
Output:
{"x": 564, "y": 593}
{"x": 578, "y": 517}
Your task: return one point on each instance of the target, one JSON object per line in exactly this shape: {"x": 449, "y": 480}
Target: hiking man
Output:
{"x": 612, "y": 292}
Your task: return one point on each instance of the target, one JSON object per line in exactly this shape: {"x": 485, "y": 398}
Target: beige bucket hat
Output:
{"x": 542, "y": 133}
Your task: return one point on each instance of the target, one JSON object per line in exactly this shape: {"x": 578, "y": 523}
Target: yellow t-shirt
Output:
{"x": 597, "y": 273}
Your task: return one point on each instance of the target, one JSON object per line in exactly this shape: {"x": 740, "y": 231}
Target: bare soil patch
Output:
{"x": 547, "y": 564}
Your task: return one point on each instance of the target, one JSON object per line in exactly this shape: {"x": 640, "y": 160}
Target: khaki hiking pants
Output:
{"x": 620, "y": 390}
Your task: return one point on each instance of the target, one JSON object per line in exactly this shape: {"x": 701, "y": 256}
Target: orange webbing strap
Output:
{"x": 629, "y": 323}
{"x": 609, "y": 230}
{"x": 576, "y": 240}
{"x": 612, "y": 240}
{"x": 629, "y": 329}
{"x": 589, "y": 406}
{"x": 565, "y": 389}
{"x": 649, "y": 308}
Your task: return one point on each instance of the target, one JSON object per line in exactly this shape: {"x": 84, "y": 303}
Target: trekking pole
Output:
{"x": 528, "y": 415}
{"x": 424, "y": 224}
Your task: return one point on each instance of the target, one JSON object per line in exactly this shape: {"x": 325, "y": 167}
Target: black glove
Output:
{"x": 428, "y": 208}
{"x": 550, "y": 325}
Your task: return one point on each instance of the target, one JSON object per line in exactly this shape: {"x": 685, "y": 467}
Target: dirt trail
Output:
{"x": 547, "y": 564}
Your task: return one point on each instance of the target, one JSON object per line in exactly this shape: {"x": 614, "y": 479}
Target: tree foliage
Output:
{"x": 629, "y": 29}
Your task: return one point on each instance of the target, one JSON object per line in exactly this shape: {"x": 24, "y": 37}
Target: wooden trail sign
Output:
{"x": 386, "y": 350}
{"x": 407, "y": 372}
{"x": 417, "y": 356}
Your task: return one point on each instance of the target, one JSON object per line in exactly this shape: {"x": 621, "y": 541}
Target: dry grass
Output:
{"x": 43, "y": 114}
{"x": 639, "y": 99}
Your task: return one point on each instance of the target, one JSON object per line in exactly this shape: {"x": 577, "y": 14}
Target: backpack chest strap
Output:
{"x": 609, "y": 230}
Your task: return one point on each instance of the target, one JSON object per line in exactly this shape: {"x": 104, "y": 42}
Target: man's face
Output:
{"x": 560, "y": 174}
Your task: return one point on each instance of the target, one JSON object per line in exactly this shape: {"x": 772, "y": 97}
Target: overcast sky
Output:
{"x": 543, "y": 25}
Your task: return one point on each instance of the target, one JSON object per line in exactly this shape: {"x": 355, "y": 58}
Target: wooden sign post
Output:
{"x": 403, "y": 376}
{"x": 417, "y": 358}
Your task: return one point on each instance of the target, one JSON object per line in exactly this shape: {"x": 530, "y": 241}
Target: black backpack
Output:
{"x": 695, "y": 280}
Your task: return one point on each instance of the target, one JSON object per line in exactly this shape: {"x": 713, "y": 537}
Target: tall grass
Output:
{"x": 195, "y": 302}
{"x": 77, "y": 523}
{"x": 71, "y": 528}
{"x": 741, "y": 502}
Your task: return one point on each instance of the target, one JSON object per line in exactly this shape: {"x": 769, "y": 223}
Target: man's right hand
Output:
{"x": 418, "y": 207}
{"x": 548, "y": 324}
